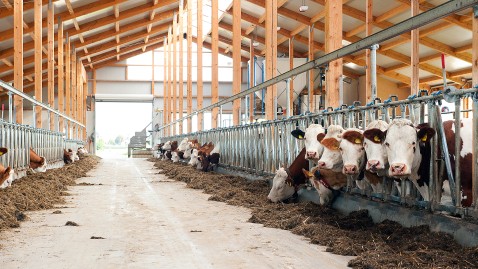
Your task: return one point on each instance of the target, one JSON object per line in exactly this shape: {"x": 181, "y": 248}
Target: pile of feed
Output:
{"x": 40, "y": 191}
{"x": 381, "y": 245}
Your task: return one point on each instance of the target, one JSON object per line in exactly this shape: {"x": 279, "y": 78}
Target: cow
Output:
{"x": 287, "y": 181}
{"x": 37, "y": 163}
{"x": 312, "y": 136}
{"x": 409, "y": 152}
{"x": 68, "y": 156}
{"x": 82, "y": 151}
{"x": 208, "y": 157}
{"x": 326, "y": 182}
{"x": 158, "y": 151}
{"x": 331, "y": 158}
{"x": 353, "y": 157}
{"x": 194, "y": 158}
{"x": 169, "y": 147}
{"x": 466, "y": 156}
{"x": 6, "y": 174}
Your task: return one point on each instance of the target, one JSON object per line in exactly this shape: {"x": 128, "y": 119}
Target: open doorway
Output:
{"x": 116, "y": 123}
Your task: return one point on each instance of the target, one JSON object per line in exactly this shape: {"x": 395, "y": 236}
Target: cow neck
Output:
{"x": 324, "y": 183}
{"x": 362, "y": 169}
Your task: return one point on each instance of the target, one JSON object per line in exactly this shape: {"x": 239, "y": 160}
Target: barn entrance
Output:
{"x": 117, "y": 123}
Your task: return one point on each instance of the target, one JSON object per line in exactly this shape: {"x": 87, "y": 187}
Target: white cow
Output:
{"x": 374, "y": 136}
{"x": 408, "y": 148}
{"x": 331, "y": 158}
{"x": 194, "y": 158}
{"x": 280, "y": 189}
{"x": 312, "y": 136}
{"x": 353, "y": 156}
{"x": 6, "y": 177}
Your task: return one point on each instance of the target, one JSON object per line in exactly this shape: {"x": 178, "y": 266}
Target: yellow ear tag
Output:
{"x": 376, "y": 138}
{"x": 300, "y": 137}
{"x": 358, "y": 141}
{"x": 424, "y": 138}
{"x": 1, "y": 153}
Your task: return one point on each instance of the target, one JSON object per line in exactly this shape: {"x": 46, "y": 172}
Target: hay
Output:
{"x": 40, "y": 191}
{"x": 381, "y": 245}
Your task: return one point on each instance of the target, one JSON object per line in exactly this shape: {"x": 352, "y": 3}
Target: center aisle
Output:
{"x": 149, "y": 221}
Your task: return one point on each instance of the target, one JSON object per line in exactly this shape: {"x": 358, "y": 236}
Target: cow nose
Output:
{"x": 350, "y": 169}
{"x": 398, "y": 168}
{"x": 311, "y": 154}
{"x": 373, "y": 163}
{"x": 321, "y": 164}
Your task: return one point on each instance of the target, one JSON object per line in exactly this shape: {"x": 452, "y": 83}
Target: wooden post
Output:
{"x": 51, "y": 62}
{"x": 175, "y": 68}
{"x": 152, "y": 74}
{"x": 271, "y": 56}
{"x": 85, "y": 94}
{"x": 311, "y": 72}
{"x": 181, "y": 66}
{"x": 251, "y": 79}
{"x": 368, "y": 31}
{"x": 199, "y": 83}
{"x": 215, "y": 59}
{"x": 38, "y": 61}
{"x": 93, "y": 91}
{"x": 333, "y": 41}
{"x": 415, "y": 57}
{"x": 170, "y": 107}
{"x": 291, "y": 66}
{"x": 474, "y": 76}
{"x": 73, "y": 90}
{"x": 165, "y": 84}
{"x": 189, "y": 68}
{"x": 18, "y": 58}
{"x": 68, "y": 83}
{"x": 61, "y": 89}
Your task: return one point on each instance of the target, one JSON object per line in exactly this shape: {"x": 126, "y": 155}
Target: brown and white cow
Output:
{"x": 37, "y": 163}
{"x": 169, "y": 147}
{"x": 6, "y": 173}
{"x": 287, "y": 181}
{"x": 466, "y": 156}
{"x": 326, "y": 182}
{"x": 409, "y": 152}
{"x": 208, "y": 157}
{"x": 312, "y": 137}
{"x": 331, "y": 158}
{"x": 69, "y": 156}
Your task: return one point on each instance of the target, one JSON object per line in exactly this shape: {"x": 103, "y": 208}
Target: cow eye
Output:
{"x": 413, "y": 143}
{"x": 340, "y": 149}
{"x": 387, "y": 144}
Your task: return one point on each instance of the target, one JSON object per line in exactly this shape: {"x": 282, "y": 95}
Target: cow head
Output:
{"x": 402, "y": 143}
{"x": 39, "y": 167}
{"x": 67, "y": 156}
{"x": 326, "y": 194}
{"x": 194, "y": 158}
{"x": 187, "y": 153}
{"x": 352, "y": 151}
{"x": 174, "y": 157}
{"x": 331, "y": 157}
{"x": 167, "y": 146}
{"x": 183, "y": 145}
{"x": 374, "y": 144}
{"x": 174, "y": 145}
{"x": 312, "y": 136}
{"x": 280, "y": 189}
{"x": 6, "y": 176}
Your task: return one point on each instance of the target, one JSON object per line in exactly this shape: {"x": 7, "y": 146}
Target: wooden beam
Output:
{"x": 93, "y": 90}
{"x": 271, "y": 56}
{"x": 333, "y": 37}
{"x": 18, "y": 58}
{"x": 474, "y": 77}
{"x": 215, "y": 59}
{"x": 51, "y": 63}
{"x": 236, "y": 60}
{"x": 199, "y": 82}
{"x": 175, "y": 68}
{"x": 291, "y": 83}
{"x": 73, "y": 89}
{"x": 311, "y": 73}
{"x": 38, "y": 61}
{"x": 252, "y": 78}
{"x": 181, "y": 66}
{"x": 368, "y": 31}
{"x": 5, "y": 12}
{"x": 189, "y": 101}
{"x": 68, "y": 85}
{"x": 61, "y": 77}
{"x": 170, "y": 80}
{"x": 414, "y": 54}
{"x": 165, "y": 84}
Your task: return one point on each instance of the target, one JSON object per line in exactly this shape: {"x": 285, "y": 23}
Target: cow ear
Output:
{"x": 375, "y": 135}
{"x": 3, "y": 151}
{"x": 425, "y": 134}
{"x": 298, "y": 133}
{"x": 320, "y": 137}
{"x": 307, "y": 173}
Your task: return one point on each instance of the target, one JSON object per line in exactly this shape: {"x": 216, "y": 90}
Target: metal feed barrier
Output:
{"x": 261, "y": 148}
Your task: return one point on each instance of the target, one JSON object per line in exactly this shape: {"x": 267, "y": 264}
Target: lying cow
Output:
{"x": 6, "y": 174}
{"x": 312, "y": 136}
{"x": 326, "y": 182}
{"x": 82, "y": 151}
{"x": 409, "y": 152}
{"x": 69, "y": 156}
{"x": 287, "y": 181}
{"x": 209, "y": 157}
{"x": 37, "y": 163}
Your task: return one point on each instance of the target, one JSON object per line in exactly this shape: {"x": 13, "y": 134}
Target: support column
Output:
{"x": 333, "y": 41}
{"x": 165, "y": 86}
{"x": 189, "y": 69}
{"x": 152, "y": 74}
{"x": 215, "y": 60}
{"x": 474, "y": 76}
{"x": 85, "y": 94}
{"x": 311, "y": 74}
{"x": 38, "y": 61}
{"x": 73, "y": 90}
{"x": 415, "y": 59}
{"x": 251, "y": 79}
{"x": 18, "y": 58}
{"x": 181, "y": 66}
{"x": 51, "y": 62}
{"x": 199, "y": 84}
{"x": 368, "y": 31}
{"x": 175, "y": 71}
{"x": 271, "y": 56}
{"x": 93, "y": 91}
{"x": 291, "y": 81}
{"x": 68, "y": 83}
{"x": 61, "y": 84}
{"x": 170, "y": 105}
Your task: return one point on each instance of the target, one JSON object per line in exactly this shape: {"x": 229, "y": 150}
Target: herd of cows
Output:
{"x": 204, "y": 157}
{"x": 395, "y": 151}
{"x": 38, "y": 164}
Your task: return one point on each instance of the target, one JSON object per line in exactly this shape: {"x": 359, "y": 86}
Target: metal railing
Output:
{"x": 261, "y": 148}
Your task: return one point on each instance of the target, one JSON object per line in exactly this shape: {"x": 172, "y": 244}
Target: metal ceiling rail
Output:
{"x": 412, "y": 23}
{"x": 27, "y": 97}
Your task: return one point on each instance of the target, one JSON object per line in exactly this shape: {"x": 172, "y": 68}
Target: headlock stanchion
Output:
{"x": 261, "y": 148}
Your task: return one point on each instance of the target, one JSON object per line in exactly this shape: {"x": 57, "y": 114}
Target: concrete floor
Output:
{"x": 149, "y": 221}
